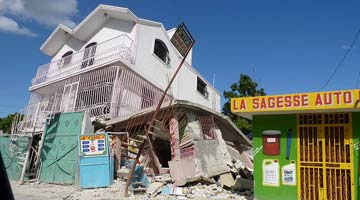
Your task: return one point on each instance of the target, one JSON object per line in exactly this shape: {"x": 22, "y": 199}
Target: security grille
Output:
{"x": 325, "y": 158}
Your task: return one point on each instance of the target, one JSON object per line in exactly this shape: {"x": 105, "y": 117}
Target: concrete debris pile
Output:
{"x": 237, "y": 184}
{"x": 191, "y": 191}
{"x": 243, "y": 179}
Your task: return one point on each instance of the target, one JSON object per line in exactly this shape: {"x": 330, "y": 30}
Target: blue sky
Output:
{"x": 286, "y": 47}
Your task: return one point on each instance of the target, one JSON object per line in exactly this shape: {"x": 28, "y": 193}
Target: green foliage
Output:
{"x": 245, "y": 87}
{"x": 5, "y": 123}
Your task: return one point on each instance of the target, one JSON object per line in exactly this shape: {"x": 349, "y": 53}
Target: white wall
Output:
{"x": 156, "y": 71}
{"x": 147, "y": 63}
{"x": 186, "y": 89}
{"x": 72, "y": 44}
{"x": 111, "y": 29}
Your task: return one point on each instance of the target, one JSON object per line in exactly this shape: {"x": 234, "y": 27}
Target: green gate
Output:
{"x": 59, "y": 150}
{"x": 4, "y": 147}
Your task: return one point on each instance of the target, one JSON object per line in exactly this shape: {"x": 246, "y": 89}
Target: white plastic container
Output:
{"x": 271, "y": 175}
{"x": 289, "y": 174}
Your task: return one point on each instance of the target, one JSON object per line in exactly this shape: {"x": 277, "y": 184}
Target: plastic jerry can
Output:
{"x": 271, "y": 172}
{"x": 271, "y": 142}
{"x": 289, "y": 173}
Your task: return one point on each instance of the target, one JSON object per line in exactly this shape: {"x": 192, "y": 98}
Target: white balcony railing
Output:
{"x": 119, "y": 47}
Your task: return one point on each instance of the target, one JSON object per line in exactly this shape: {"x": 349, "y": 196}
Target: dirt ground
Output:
{"x": 43, "y": 191}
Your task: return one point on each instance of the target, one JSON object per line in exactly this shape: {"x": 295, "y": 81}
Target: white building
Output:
{"x": 112, "y": 64}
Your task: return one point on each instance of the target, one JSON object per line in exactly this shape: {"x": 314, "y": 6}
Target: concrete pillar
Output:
{"x": 174, "y": 139}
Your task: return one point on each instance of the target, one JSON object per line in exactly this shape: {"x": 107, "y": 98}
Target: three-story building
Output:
{"x": 111, "y": 64}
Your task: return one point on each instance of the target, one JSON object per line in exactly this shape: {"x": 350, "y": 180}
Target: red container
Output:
{"x": 271, "y": 142}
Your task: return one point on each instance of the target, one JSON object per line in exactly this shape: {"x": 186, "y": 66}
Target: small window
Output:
{"x": 89, "y": 54}
{"x": 66, "y": 58}
{"x": 161, "y": 51}
{"x": 202, "y": 87}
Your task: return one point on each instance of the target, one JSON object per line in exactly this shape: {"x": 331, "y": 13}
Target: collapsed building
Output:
{"x": 189, "y": 140}
{"x": 114, "y": 67}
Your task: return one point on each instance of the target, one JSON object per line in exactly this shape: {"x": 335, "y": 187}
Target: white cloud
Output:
{"x": 50, "y": 12}
{"x": 11, "y": 26}
{"x": 46, "y": 12}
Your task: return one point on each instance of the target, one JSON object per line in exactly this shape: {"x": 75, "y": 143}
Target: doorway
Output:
{"x": 325, "y": 156}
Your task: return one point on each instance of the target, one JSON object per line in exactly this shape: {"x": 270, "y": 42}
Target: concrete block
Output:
{"x": 226, "y": 180}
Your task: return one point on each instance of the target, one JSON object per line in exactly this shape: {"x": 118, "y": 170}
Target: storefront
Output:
{"x": 306, "y": 146}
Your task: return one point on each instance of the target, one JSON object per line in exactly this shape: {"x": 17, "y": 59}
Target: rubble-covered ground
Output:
{"x": 42, "y": 191}
{"x": 236, "y": 184}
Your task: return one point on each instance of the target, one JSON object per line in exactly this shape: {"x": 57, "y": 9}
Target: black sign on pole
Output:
{"x": 182, "y": 39}
{"x": 183, "y": 42}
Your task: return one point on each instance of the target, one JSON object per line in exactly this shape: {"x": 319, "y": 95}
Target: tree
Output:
{"x": 245, "y": 87}
{"x": 6, "y": 122}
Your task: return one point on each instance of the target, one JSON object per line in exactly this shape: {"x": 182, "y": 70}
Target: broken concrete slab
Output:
{"x": 164, "y": 178}
{"x": 122, "y": 173}
{"x": 182, "y": 169}
{"x": 154, "y": 189}
{"x": 226, "y": 180}
{"x": 173, "y": 190}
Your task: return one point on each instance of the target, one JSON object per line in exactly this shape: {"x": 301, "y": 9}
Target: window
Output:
{"x": 89, "y": 53}
{"x": 66, "y": 59}
{"x": 207, "y": 125}
{"x": 202, "y": 87}
{"x": 161, "y": 51}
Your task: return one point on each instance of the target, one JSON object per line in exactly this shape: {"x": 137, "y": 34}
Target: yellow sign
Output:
{"x": 305, "y": 101}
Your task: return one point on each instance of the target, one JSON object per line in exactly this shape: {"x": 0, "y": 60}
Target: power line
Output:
{"x": 342, "y": 60}
{"x": 357, "y": 81}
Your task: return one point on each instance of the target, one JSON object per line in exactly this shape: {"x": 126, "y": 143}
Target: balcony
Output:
{"x": 118, "y": 48}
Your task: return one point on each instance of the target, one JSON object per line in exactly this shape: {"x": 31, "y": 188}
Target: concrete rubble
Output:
{"x": 198, "y": 153}
{"x": 237, "y": 184}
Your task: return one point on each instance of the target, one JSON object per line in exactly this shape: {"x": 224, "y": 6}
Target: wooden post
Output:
{"x": 117, "y": 153}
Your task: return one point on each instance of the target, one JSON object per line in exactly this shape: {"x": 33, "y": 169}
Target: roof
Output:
{"x": 222, "y": 120}
{"x": 87, "y": 27}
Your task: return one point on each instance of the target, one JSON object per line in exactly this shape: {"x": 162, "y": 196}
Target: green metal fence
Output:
{"x": 13, "y": 169}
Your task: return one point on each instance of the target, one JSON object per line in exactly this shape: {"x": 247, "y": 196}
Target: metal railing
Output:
{"x": 120, "y": 47}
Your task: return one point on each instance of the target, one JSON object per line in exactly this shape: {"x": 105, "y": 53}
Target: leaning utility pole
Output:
{"x": 183, "y": 42}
